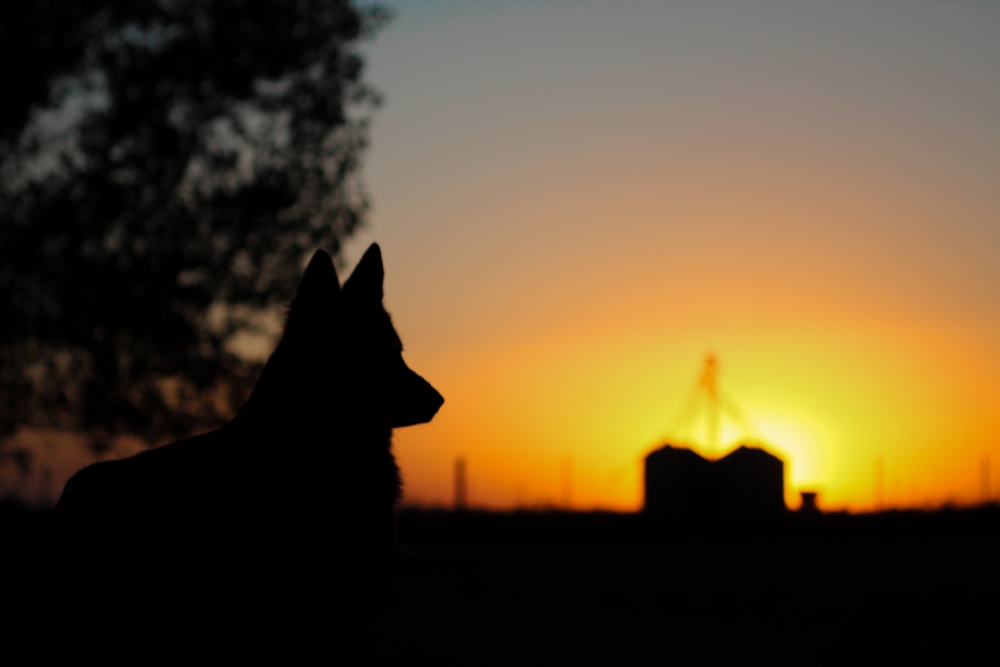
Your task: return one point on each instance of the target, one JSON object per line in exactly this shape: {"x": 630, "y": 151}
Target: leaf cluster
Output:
{"x": 166, "y": 166}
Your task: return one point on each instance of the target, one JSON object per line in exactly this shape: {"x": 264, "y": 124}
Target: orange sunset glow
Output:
{"x": 405, "y": 331}
{"x": 577, "y": 203}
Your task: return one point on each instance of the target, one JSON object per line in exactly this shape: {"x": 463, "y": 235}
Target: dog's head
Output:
{"x": 340, "y": 345}
{"x": 374, "y": 352}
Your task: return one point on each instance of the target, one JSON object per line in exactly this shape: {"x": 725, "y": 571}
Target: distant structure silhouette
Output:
{"x": 461, "y": 488}
{"x": 878, "y": 477}
{"x": 304, "y": 471}
{"x": 748, "y": 481}
{"x": 679, "y": 481}
{"x": 566, "y": 482}
{"x": 705, "y": 409}
{"x": 984, "y": 480}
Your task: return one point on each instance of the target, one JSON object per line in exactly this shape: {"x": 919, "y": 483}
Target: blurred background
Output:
{"x": 578, "y": 202}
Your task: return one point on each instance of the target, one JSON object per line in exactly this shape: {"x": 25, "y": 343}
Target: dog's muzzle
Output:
{"x": 415, "y": 402}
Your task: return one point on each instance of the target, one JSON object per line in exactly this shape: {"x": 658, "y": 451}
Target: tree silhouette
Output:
{"x": 166, "y": 166}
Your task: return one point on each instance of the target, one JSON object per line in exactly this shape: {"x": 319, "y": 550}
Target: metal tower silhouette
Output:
{"x": 706, "y": 407}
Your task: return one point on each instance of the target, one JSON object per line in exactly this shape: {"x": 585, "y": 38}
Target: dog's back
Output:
{"x": 306, "y": 464}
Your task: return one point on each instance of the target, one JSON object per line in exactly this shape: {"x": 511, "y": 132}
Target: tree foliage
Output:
{"x": 166, "y": 165}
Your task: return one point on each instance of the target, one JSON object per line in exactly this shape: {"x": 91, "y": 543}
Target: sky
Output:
{"x": 577, "y": 202}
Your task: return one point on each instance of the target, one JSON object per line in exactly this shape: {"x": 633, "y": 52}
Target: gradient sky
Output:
{"x": 578, "y": 201}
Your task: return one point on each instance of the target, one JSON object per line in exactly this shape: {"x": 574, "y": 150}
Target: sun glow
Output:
{"x": 516, "y": 412}
{"x": 804, "y": 446}
{"x": 775, "y": 195}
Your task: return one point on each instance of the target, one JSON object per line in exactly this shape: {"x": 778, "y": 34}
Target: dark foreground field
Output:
{"x": 529, "y": 587}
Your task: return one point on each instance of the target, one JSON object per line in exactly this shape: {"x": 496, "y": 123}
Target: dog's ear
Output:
{"x": 319, "y": 287}
{"x": 365, "y": 284}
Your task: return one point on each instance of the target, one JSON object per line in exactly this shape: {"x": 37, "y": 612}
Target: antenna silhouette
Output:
{"x": 984, "y": 480}
{"x": 709, "y": 383}
{"x": 709, "y": 404}
{"x": 566, "y": 474}
{"x": 461, "y": 488}
{"x": 879, "y": 479}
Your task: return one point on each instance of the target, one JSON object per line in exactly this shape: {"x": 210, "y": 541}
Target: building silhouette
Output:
{"x": 746, "y": 482}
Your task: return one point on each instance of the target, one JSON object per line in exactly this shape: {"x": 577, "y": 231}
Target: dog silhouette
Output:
{"x": 306, "y": 465}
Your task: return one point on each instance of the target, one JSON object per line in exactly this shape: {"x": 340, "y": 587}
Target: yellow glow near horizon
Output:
{"x": 577, "y": 201}
{"x": 827, "y": 404}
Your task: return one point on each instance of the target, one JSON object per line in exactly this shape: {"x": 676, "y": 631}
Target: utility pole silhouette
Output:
{"x": 461, "y": 498}
{"x": 567, "y": 482}
{"x": 520, "y": 496}
{"x": 984, "y": 480}
{"x": 879, "y": 475}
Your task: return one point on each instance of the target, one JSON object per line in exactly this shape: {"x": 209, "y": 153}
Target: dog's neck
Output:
{"x": 291, "y": 397}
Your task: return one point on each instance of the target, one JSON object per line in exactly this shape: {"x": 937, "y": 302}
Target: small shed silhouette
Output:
{"x": 748, "y": 481}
